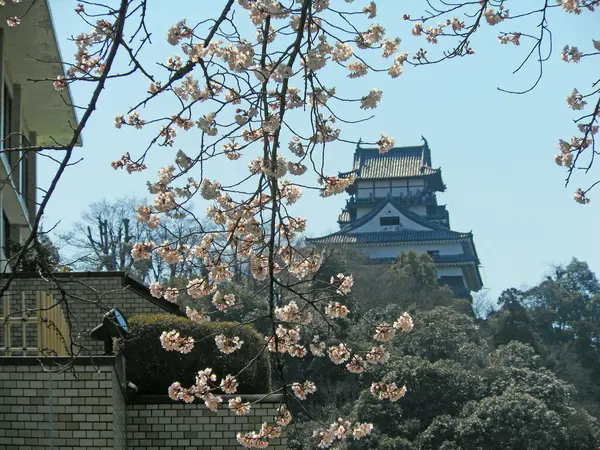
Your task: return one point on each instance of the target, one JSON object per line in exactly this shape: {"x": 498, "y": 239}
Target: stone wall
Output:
{"x": 89, "y": 296}
{"x": 83, "y": 409}
{"x": 156, "y": 424}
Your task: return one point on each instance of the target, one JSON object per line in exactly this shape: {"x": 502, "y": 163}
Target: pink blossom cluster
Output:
{"x": 340, "y": 430}
{"x": 261, "y": 438}
{"x": 291, "y": 313}
{"x": 240, "y": 408}
{"x": 339, "y": 354}
{"x": 404, "y": 323}
{"x": 223, "y": 301}
{"x": 335, "y": 310}
{"x": 286, "y": 340}
{"x": 335, "y": 185}
{"x": 228, "y": 345}
{"x": 196, "y": 316}
{"x": 127, "y": 163}
{"x": 378, "y": 355}
{"x": 342, "y": 283}
{"x": 204, "y": 384}
{"x": 387, "y": 391}
{"x": 172, "y": 342}
{"x": 301, "y": 390}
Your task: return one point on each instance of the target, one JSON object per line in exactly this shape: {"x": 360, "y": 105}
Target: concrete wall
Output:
{"x": 89, "y": 296}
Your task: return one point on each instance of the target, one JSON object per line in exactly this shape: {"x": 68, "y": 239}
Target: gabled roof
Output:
{"x": 401, "y": 208}
{"x": 434, "y": 233}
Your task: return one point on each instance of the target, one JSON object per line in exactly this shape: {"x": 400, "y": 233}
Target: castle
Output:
{"x": 393, "y": 208}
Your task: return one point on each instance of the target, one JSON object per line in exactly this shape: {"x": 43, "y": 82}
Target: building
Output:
{"x": 31, "y": 113}
{"x": 393, "y": 208}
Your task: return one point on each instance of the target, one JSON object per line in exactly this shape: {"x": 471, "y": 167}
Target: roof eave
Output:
{"x": 33, "y": 59}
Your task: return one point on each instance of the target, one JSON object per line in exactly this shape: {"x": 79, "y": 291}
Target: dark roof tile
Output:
{"x": 399, "y": 162}
{"x": 381, "y": 237}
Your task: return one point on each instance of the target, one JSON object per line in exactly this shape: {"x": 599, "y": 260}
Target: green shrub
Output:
{"x": 153, "y": 369}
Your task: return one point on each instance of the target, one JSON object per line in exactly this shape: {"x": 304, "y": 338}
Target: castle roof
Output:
{"x": 389, "y": 237}
{"x": 434, "y": 232}
{"x": 398, "y": 162}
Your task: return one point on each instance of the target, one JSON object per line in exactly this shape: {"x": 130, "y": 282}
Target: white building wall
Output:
{"x": 449, "y": 271}
{"x": 392, "y": 251}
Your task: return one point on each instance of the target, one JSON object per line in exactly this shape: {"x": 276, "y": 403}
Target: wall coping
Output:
{"x": 165, "y": 399}
{"x": 57, "y": 360}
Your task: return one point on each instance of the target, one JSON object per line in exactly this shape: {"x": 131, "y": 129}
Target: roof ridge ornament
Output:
{"x": 426, "y": 152}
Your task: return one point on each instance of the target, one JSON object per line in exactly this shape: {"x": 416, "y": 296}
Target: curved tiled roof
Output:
{"x": 381, "y": 237}
{"x": 438, "y": 259}
{"x": 400, "y": 206}
{"x": 399, "y": 162}
{"x": 435, "y": 233}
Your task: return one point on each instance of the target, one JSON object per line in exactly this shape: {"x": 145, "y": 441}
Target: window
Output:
{"x": 433, "y": 253}
{"x": 389, "y": 221}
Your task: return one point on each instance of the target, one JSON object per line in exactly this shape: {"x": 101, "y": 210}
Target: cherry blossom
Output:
{"x": 228, "y": 345}
{"x": 404, "y": 323}
{"x": 302, "y": 390}
{"x": 172, "y": 342}
{"x": 335, "y": 310}
{"x": 339, "y": 354}
{"x": 240, "y": 408}
{"x": 196, "y": 316}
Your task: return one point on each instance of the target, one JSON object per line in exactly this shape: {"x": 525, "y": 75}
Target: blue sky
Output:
{"x": 495, "y": 149}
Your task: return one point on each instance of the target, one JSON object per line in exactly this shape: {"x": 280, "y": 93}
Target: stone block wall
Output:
{"x": 89, "y": 296}
{"x": 81, "y": 410}
{"x": 85, "y": 409}
{"x": 181, "y": 426}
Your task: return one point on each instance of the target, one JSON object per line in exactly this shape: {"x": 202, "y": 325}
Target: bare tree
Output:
{"x": 103, "y": 240}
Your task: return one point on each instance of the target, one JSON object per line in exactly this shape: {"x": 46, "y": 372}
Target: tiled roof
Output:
{"x": 453, "y": 259}
{"x": 438, "y": 259}
{"x": 435, "y": 233}
{"x": 383, "y": 237}
{"x": 400, "y": 162}
{"x": 400, "y": 207}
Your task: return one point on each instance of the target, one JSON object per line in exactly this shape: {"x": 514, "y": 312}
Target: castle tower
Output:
{"x": 393, "y": 209}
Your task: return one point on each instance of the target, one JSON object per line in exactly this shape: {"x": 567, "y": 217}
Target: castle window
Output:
{"x": 433, "y": 253}
{"x": 389, "y": 221}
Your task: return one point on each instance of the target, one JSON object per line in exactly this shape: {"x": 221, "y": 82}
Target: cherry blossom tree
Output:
{"x": 262, "y": 95}
{"x": 251, "y": 85}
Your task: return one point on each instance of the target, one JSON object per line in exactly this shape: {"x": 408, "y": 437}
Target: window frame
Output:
{"x": 394, "y": 223}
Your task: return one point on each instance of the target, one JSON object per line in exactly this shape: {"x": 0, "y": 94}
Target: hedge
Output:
{"x": 152, "y": 369}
